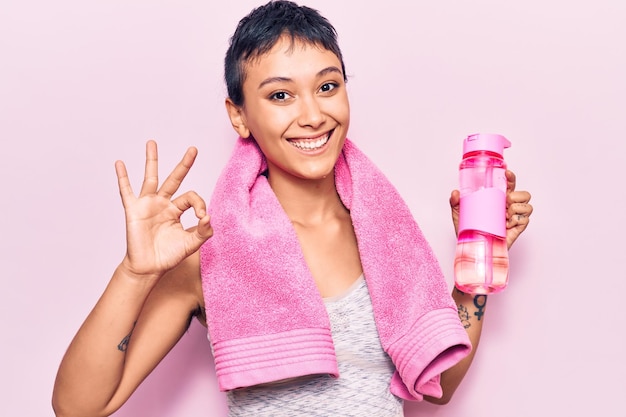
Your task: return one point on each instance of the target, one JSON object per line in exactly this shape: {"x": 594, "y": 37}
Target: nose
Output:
{"x": 311, "y": 113}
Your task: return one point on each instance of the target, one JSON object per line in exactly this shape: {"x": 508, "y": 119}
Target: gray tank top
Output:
{"x": 365, "y": 372}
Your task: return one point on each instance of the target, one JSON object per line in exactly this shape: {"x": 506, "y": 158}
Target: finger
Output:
{"x": 513, "y": 233}
{"x": 518, "y": 197}
{"x": 123, "y": 183}
{"x": 455, "y": 199}
{"x": 455, "y": 204}
{"x": 151, "y": 172}
{"x": 510, "y": 181}
{"x": 517, "y": 209}
{"x": 203, "y": 231}
{"x": 518, "y": 214}
{"x": 176, "y": 177}
{"x": 188, "y": 200}
{"x": 199, "y": 234}
{"x": 517, "y": 220}
{"x": 520, "y": 208}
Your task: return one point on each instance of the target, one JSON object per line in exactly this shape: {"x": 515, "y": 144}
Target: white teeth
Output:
{"x": 310, "y": 144}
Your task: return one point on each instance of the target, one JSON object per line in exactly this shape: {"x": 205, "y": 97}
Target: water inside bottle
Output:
{"x": 481, "y": 263}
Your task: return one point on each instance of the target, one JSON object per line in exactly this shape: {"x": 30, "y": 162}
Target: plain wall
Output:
{"x": 85, "y": 83}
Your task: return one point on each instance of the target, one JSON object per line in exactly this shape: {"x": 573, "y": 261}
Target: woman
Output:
{"x": 285, "y": 183}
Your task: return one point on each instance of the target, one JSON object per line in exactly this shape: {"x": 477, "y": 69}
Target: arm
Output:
{"x": 471, "y": 313}
{"x": 145, "y": 309}
{"x": 472, "y": 307}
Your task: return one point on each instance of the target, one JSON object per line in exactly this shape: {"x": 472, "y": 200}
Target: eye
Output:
{"x": 327, "y": 87}
{"x": 279, "y": 96}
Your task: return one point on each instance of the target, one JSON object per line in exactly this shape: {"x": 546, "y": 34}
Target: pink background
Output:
{"x": 85, "y": 83}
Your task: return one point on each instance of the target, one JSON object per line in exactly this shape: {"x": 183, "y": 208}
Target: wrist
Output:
{"x": 126, "y": 271}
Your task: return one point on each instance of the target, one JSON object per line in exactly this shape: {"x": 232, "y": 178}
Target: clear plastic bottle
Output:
{"x": 481, "y": 264}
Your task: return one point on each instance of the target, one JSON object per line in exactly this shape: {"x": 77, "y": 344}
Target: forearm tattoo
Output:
{"x": 464, "y": 316}
{"x": 480, "y": 302}
{"x": 123, "y": 345}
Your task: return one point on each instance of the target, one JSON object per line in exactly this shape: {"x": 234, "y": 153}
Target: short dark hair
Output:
{"x": 258, "y": 32}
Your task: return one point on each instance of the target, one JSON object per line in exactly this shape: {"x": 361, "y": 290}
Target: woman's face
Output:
{"x": 296, "y": 108}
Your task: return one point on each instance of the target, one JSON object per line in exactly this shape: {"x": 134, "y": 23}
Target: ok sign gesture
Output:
{"x": 155, "y": 238}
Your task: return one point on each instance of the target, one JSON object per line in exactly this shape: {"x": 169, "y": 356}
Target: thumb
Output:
{"x": 455, "y": 201}
{"x": 204, "y": 229}
{"x": 200, "y": 233}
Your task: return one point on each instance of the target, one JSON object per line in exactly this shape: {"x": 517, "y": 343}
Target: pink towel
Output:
{"x": 265, "y": 316}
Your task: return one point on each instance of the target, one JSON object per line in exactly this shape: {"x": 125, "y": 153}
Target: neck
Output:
{"x": 307, "y": 202}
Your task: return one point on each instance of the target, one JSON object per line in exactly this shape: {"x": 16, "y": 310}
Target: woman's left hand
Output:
{"x": 518, "y": 210}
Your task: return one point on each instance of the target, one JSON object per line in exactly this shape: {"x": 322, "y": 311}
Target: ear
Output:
{"x": 237, "y": 118}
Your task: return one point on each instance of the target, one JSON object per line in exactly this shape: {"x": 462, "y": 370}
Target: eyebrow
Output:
{"x": 325, "y": 71}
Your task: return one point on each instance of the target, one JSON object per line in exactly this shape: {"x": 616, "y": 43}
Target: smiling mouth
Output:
{"x": 311, "y": 144}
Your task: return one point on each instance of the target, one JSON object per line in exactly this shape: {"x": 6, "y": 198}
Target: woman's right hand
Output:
{"x": 155, "y": 238}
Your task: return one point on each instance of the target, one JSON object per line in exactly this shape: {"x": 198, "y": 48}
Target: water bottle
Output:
{"x": 481, "y": 263}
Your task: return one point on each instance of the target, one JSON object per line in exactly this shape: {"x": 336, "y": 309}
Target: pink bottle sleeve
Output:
{"x": 484, "y": 210}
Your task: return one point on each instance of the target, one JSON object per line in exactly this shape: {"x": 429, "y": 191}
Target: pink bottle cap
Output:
{"x": 485, "y": 142}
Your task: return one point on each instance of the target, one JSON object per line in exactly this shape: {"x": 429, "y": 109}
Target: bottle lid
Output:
{"x": 485, "y": 142}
